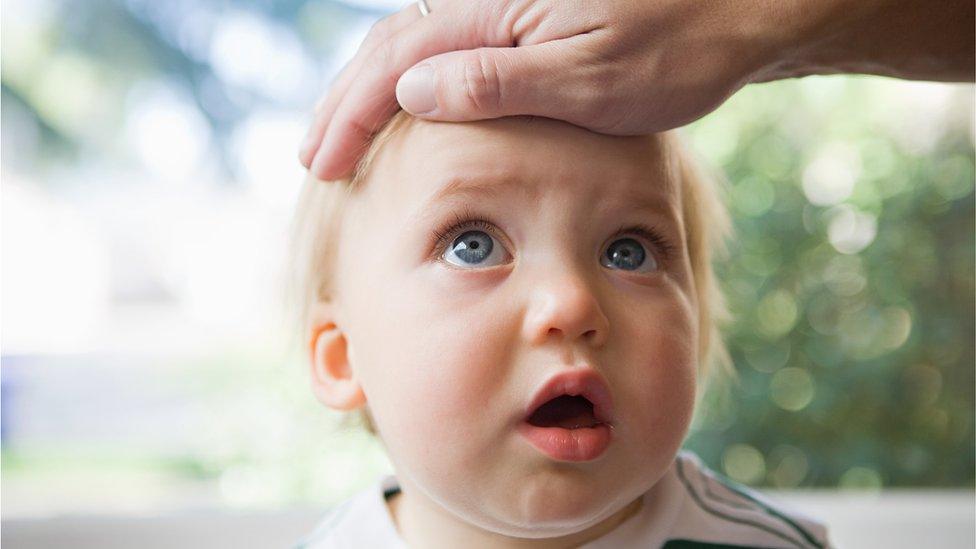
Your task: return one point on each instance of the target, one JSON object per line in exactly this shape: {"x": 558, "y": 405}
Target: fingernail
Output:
{"x": 415, "y": 90}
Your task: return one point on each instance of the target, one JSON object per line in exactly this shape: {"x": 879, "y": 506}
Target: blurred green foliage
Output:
{"x": 854, "y": 369}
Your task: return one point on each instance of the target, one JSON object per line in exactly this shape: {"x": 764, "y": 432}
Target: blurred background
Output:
{"x": 149, "y": 170}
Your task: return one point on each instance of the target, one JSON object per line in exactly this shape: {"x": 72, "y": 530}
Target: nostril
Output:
{"x": 589, "y": 334}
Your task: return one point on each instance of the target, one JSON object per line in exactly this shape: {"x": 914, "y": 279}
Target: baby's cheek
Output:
{"x": 664, "y": 379}
{"x": 464, "y": 390}
{"x": 438, "y": 387}
{"x": 463, "y": 356}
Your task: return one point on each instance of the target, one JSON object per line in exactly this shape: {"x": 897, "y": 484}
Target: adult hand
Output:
{"x": 617, "y": 66}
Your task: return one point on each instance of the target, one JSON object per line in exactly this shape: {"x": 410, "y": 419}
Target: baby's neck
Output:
{"x": 422, "y": 523}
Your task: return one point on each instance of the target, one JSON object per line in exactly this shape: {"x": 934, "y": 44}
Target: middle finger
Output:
{"x": 325, "y": 109}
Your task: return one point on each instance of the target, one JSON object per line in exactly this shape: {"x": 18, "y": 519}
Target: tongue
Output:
{"x": 568, "y": 412}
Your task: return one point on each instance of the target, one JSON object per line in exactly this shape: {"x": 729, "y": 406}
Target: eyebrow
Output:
{"x": 493, "y": 187}
{"x": 489, "y": 187}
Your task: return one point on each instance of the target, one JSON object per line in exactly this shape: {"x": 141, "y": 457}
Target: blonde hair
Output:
{"x": 706, "y": 220}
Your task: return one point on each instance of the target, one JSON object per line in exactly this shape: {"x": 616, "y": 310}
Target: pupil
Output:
{"x": 626, "y": 254}
{"x": 473, "y": 247}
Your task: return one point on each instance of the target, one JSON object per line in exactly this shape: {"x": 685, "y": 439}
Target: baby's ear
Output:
{"x": 332, "y": 379}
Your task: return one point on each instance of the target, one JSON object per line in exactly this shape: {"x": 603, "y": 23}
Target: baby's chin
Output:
{"x": 548, "y": 512}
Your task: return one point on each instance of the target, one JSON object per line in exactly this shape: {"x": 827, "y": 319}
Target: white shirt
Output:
{"x": 690, "y": 507}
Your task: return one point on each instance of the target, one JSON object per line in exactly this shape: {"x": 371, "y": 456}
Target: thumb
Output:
{"x": 490, "y": 83}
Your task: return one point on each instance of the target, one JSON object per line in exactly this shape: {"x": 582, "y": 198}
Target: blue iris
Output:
{"x": 626, "y": 254}
{"x": 472, "y": 247}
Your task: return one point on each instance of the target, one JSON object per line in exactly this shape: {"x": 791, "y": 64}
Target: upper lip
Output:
{"x": 585, "y": 382}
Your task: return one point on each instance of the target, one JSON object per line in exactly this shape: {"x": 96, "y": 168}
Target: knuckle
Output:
{"x": 598, "y": 99}
{"x": 482, "y": 83}
{"x": 383, "y": 55}
{"x": 384, "y": 60}
{"x": 379, "y": 31}
{"x": 359, "y": 131}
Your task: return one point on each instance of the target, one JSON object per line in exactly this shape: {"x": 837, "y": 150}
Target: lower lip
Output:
{"x": 584, "y": 444}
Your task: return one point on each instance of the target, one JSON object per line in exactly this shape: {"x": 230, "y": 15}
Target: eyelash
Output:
{"x": 462, "y": 220}
{"x": 466, "y": 219}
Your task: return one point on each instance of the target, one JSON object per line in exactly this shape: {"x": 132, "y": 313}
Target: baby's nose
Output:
{"x": 566, "y": 308}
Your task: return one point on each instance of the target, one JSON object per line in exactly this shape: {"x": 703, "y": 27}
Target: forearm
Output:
{"x": 912, "y": 39}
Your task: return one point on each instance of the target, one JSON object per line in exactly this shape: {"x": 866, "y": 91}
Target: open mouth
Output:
{"x": 566, "y": 412}
{"x": 570, "y": 418}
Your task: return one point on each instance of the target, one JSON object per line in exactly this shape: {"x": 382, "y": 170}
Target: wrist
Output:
{"x": 807, "y": 37}
{"x": 911, "y": 39}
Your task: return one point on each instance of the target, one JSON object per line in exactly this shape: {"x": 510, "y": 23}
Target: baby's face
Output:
{"x": 453, "y": 338}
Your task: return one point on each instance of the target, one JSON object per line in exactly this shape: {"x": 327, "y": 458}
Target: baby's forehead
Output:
{"x": 424, "y": 158}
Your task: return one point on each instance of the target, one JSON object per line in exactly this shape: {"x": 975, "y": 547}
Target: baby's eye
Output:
{"x": 474, "y": 248}
{"x": 627, "y": 254}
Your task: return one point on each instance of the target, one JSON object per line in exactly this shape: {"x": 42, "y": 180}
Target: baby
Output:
{"x": 525, "y": 311}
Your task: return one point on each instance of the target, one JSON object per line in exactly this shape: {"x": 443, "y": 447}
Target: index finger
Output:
{"x": 326, "y": 106}
{"x": 371, "y": 98}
